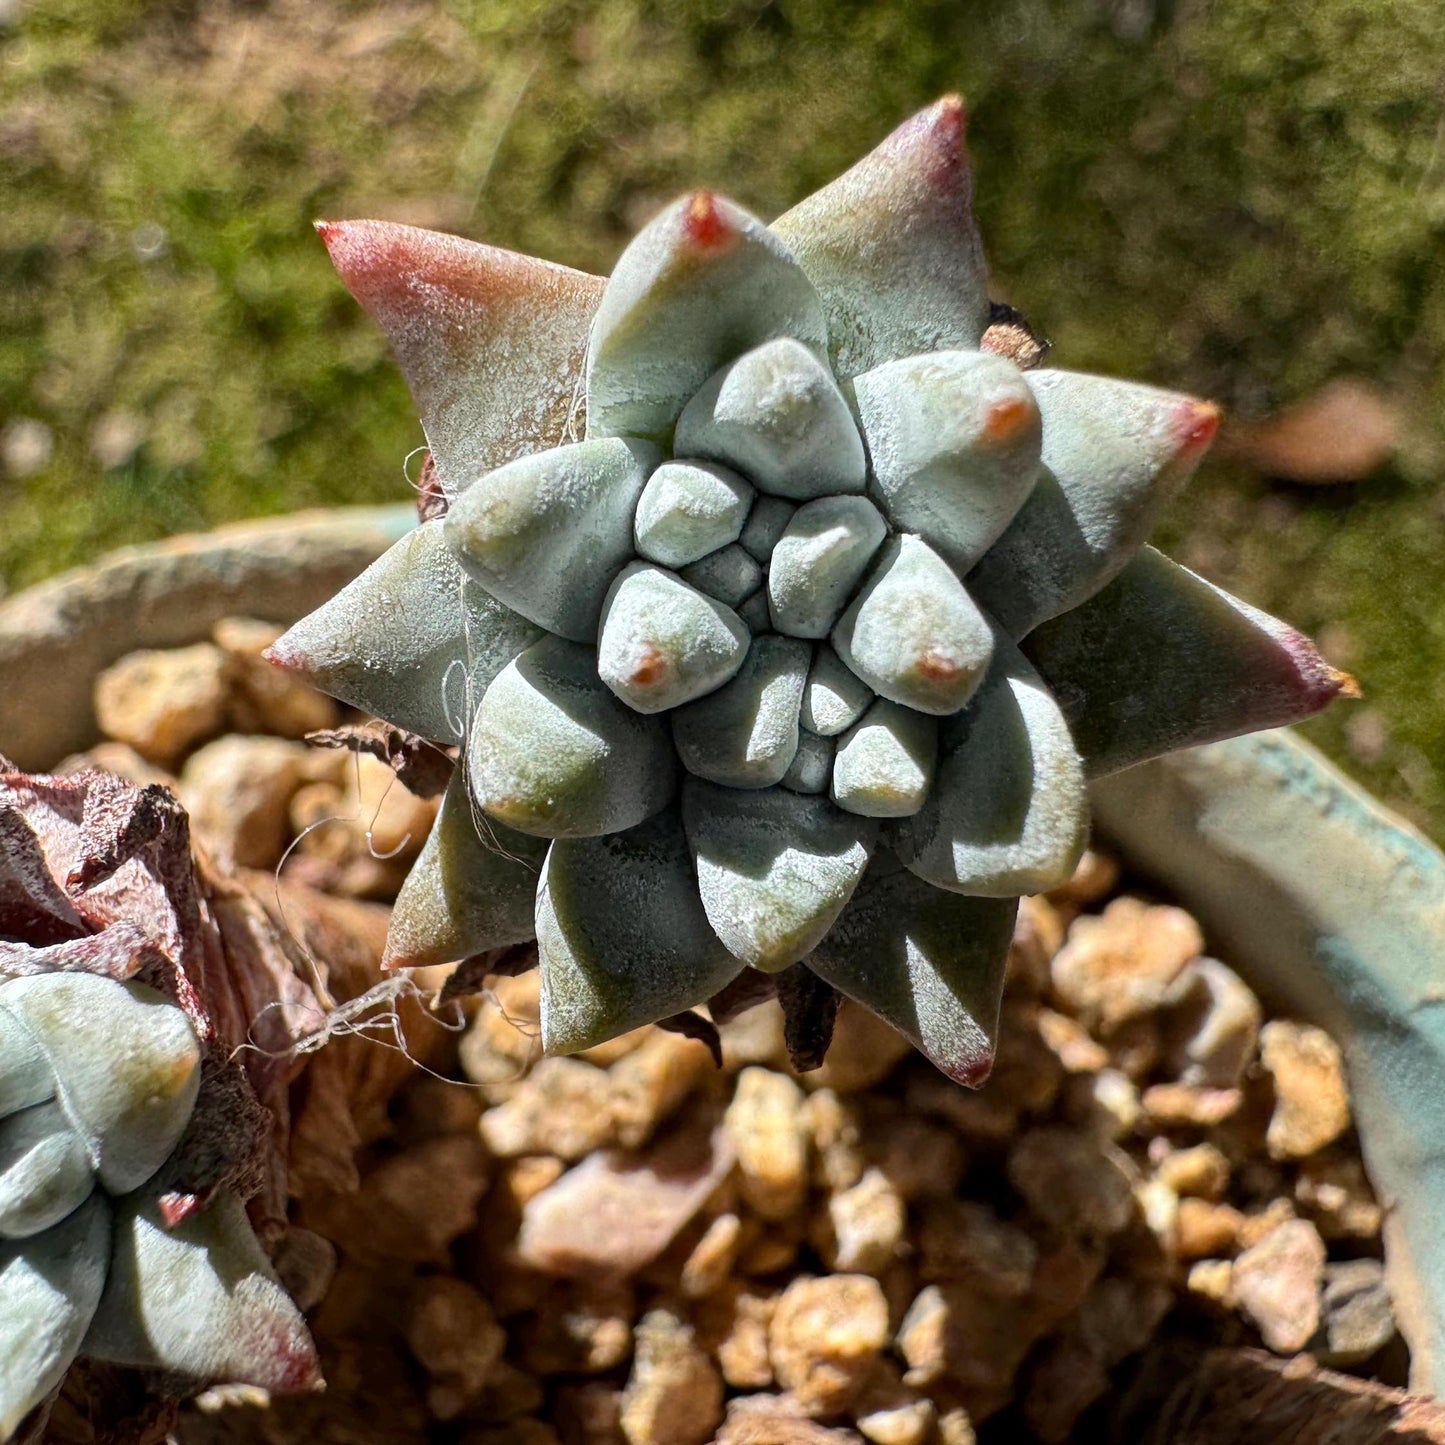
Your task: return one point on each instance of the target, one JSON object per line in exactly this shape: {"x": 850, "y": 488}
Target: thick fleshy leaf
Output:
{"x": 913, "y": 634}
{"x": 777, "y": 416}
{"x": 1114, "y": 454}
{"x": 885, "y": 763}
{"x": 812, "y": 767}
{"x": 744, "y": 735}
{"x": 688, "y": 509}
{"x": 49, "y": 1288}
{"x": 729, "y": 574}
{"x": 621, "y": 935}
{"x": 835, "y": 697}
{"x": 44, "y": 1170}
{"x": 892, "y": 246}
{"x": 491, "y": 343}
{"x": 391, "y": 642}
{"x": 127, "y": 1066}
{"x": 547, "y": 534}
{"x": 928, "y": 962}
{"x": 700, "y": 285}
{"x": 1007, "y": 814}
{"x": 953, "y": 438}
{"x": 25, "y": 1076}
{"x": 199, "y": 1299}
{"x": 663, "y": 642}
{"x": 767, "y": 521}
{"x": 774, "y": 868}
{"x": 1161, "y": 660}
{"x": 552, "y": 752}
{"x": 470, "y": 890}
{"x": 818, "y": 562}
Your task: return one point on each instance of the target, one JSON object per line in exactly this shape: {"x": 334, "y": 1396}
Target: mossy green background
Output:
{"x": 1243, "y": 198}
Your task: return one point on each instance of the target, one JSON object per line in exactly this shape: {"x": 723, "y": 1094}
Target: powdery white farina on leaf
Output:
{"x": 801, "y": 651}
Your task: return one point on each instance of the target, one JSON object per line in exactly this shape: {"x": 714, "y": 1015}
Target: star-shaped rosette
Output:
{"x": 801, "y": 647}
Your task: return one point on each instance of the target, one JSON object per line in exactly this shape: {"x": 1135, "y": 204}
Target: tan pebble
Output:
{"x": 581, "y": 1327}
{"x": 707, "y": 1267}
{"x": 770, "y": 1253}
{"x": 163, "y": 703}
{"x": 964, "y": 1239}
{"x": 1200, "y": 1172}
{"x": 452, "y": 1332}
{"x": 606, "y": 1054}
{"x": 1094, "y": 878}
{"x": 1260, "y": 1222}
{"x": 1073, "y": 1181}
{"x": 867, "y": 1225}
{"x": 118, "y": 758}
{"x": 561, "y": 1108}
{"x": 238, "y": 793}
{"x": 1312, "y": 1106}
{"x": 1277, "y": 1285}
{"x": 835, "y": 1129}
{"x": 589, "y": 1412}
{"x": 733, "y": 1324}
{"x": 1120, "y": 964}
{"x": 390, "y": 820}
{"x": 887, "y": 1412}
{"x": 647, "y": 1085}
{"x": 776, "y": 1420}
{"x": 1038, "y": 932}
{"x": 1203, "y": 1228}
{"x": 1356, "y": 1316}
{"x": 917, "y": 1158}
{"x": 1335, "y": 1193}
{"x": 1135, "y": 1046}
{"x": 525, "y": 1178}
{"x": 965, "y": 1345}
{"x": 1026, "y": 1071}
{"x": 1070, "y": 1041}
{"x": 1105, "y": 1104}
{"x": 674, "y": 1394}
{"x": 766, "y": 1125}
{"x": 1212, "y": 1279}
{"x": 955, "y": 1428}
{"x": 755, "y": 1036}
{"x": 824, "y": 1336}
{"x": 1158, "y": 1206}
{"x": 1213, "y": 1026}
{"x": 263, "y": 698}
{"x": 864, "y": 1051}
{"x": 1178, "y": 1106}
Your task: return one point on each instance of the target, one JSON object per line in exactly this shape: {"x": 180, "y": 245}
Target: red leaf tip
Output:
{"x": 704, "y": 223}
{"x": 1196, "y": 424}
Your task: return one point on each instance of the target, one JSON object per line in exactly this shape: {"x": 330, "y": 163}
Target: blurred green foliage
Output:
{"x": 1243, "y": 198}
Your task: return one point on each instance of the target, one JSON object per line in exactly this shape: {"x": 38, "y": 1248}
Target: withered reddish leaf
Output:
{"x": 420, "y": 766}
{"x": 33, "y": 907}
{"x": 810, "y": 1009}
{"x": 750, "y": 988}
{"x": 693, "y": 1026}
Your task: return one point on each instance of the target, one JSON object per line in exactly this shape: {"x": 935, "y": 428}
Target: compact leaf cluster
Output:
{"x": 780, "y": 615}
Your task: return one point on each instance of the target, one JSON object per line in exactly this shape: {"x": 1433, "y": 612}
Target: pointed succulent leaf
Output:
{"x": 892, "y": 246}
{"x": 127, "y": 1066}
{"x": 913, "y": 634}
{"x": 745, "y": 734}
{"x": 621, "y": 935}
{"x": 774, "y": 867}
{"x": 777, "y": 416}
{"x": 44, "y": 1170}
{"x": 729, "y": 574}
{"x": 470, "y": 890}
{"x": 835, "y": 697}
{"x": 491, "y": 343}
{"x": 1007, "y": 814}
{"x": 688, "y": 509}
{"x": 885, "y": 763}
{"x": 953, "y": 438}
{"x": 1161, "y": 660}
{"x": 663, "y": 642}
{"x": 547, "y": 534}
{"x": 818, "y": 561}
{"x": 392, "y": 641}
{"x": 552, "y": 752}
{"x": 49, "y": 1288}
{"x": 25, "y": 1076}
{"x": 701, "y": 284}
{"x": 199, "y": 1299}
{"x": 812, "y": 765}
{"x": 1114, "y": 454}
{"x": 928, "y": 962}
{"x": 767, "y": 521}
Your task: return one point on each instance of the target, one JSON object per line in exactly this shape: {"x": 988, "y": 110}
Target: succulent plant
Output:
{"x": 125, "y": 1134}
{"x": 779, "y": 615}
